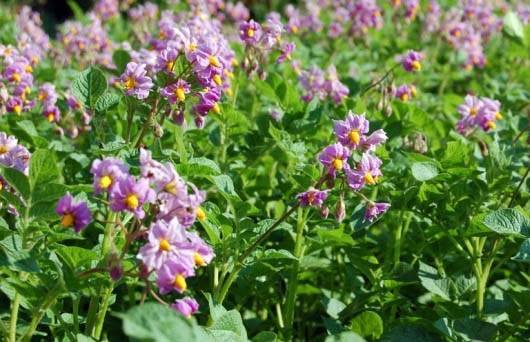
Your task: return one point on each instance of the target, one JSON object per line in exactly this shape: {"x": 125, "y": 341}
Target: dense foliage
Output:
{"x": 342, "y": 170}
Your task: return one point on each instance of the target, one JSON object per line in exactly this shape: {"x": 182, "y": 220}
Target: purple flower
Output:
{"x": 130, "y": 195}
{"x": 475, "y": 112}
{"x": 52, "y": 113}
{"x": 374, "y": 210}
{"x": 250, "y": 32}
{"x": 367, "y": 172}
{"x": 171, "y": 276}
{"x": 47, "y": 94}
{"x": 176, "y": 92}
{"x": 7, "y": 143}
{"x": 135, "y": 81}
{"x": 208, "y": 102}
{"x": 15, "y": 105}
{"x": 314, "y": 83}
{"x": 286, "y": 51}
{"x": 185, "y": 207}
{"x": 335, "y": 89}
{"x": 411, "y": 61}
{"x": 165, "y": 241}
{"x": 107, "y": 173}
{"x": 405, "y": 92}
{"x": 334, "y": 157}
{"x": 312, "y": 197}
{"x": 203, "y": 254}
{"x": 186, "y": 306}
{"x": 73, "y": 214}
{"x": 351, "y": 131}
{"x": 166, "y": 60}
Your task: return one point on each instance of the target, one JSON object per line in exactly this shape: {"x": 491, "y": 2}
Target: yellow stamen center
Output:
{"x": 51, "y": 117}
{"x": 201, "y": 215}
{"x": 498, "y": 116}
{"x": 179, "y": 93}
{"x": 28, "y": 68}
{"x": 105, "y": 182}
{"x": 250, "y": 33}
{"x": 3, "y": 149}
{"x": 473, "y": 111}
{"x": 132, "y": 201}
{"x": 164, "y": 245}
{"x": 338, "y": 164}
{"x": 216, "y": 109}
{"x": 217, "y": 79}
{"x": 169, "y": 66}
{"x": 368, "y": 178}
{"x": 294, "y": 29}
{"x": 180, "y": 282}
{"x": 416, "y": 65}
{"x": 129, "y": 83}
{"x": 214, "y": 61}
{"x": 192, "y": 47}
{"x": 199, "y": 261}
{"x": 405, "y": 97}
{"x": 354, "y": 136}
{"x": 16, "y": 77}
{"x": 68, "y": 220}
{"x": 17, "y": 109}
{"x": 491, "y": 125}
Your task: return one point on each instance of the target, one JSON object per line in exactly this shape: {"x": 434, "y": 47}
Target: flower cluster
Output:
{"x": 338, "y": 161}
{"x": 172, "y": 252}
{"x": 196, "y": 61}
{"x": 319, "y": 85}
{"x": 478, "y": 112}
{"x": 15, "y": 156}
{"x": 405, "y": 92}
{"x": 412, "y": 61}
{"x": 410, "y": 8}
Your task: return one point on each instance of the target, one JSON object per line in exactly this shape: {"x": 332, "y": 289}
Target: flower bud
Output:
{"x": 340, "y": 210}
{"x": 324, "y": 212}
{"x": 158, "y": 131}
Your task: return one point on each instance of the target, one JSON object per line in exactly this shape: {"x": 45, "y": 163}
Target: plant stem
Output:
{"x": 292, "y": 285}
{"x": 37, "y": 316}
{"x": 397, "y": 238}
{"x": 14, "y": 317}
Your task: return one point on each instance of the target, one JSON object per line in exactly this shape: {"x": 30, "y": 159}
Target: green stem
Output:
{"x": 14, "y": 317}
{"x": 96, "y": 326}
{"x": 397, "y": 238}
{"x": 181, "y": 147}
{"x": 75, "y": 313}
{"x": 37, "y": 316}
{"x": 292, "y": 285}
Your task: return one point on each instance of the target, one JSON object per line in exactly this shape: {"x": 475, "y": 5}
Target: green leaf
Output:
{"x": 158, "y": 323}
{"x": 42, "y": 168}
{"x": 197, "y": 167}
{"x": 89, "y": 86}
{"x": 333, "y": 306}
{"x": 76, "y": 256}
{"x": 230, "y": 321}
{"x": 513, "y": 27}
{"x": 265, "y": 336}
{"x": 424, "y": 171}
{"x": 523, "y": 255}
{"x": 367, "y": 324}
{"x": 121, "y": 58}
{"x": 224, "y": 184}
{"x": 433, "y": 283}
{"x": 15, "y": 256}
{"x": 345, "y": 336}
{"x": 410, "y": 333}
{"x": 17, "y": 180}
{"x": 107, "y": 101}
{"x": 508, "y": 222}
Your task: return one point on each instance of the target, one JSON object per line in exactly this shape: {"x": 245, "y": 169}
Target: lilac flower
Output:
{"x": 405, "y": 92}
{"x": 106, "y": 9}
{"x": 272, "y": 30}
{"x": 208, "y": 102}
{"x": 186, "y": 306}
{"x": 15, "y": 105}
{"x": 166, "y": 60}
{"x": 135, "y": 81}
{"x": 334, "y": 158}
{"x": 237, "y": 12}
{"x": 7, "y": 143}
{"x": 314, "y": 83}
{"x": 312, "y": 197}
{"x": 12, "y": 154}
{"x": 286, "y": 51}
{"x": 130, "y": 195}
{"x": 374, "y": 210}
{"x": 166, "y": 240}
{"x": 411, "y": 8}
{"x": 367, "y": 172}
{"x": 51, "y": 113}
{"x": 203, "y": 254}
{"x": 176, "y": 92}
{"x": 352, "y": 132}
{"x": 411, "y": 61}
{"x": 163, "y": 177}
{"x": 171, "y": 276}
{"x": 185, "y": 208}
{"x": 250, "y": 32}
{"x": 73, "y": 214}
{"x": 107, "y": 173}
{"x": 47, "y": 94}
{"x": 364, "y": 14}
{"x": 336, "y": 90}
{"x": 471, "y": 106}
